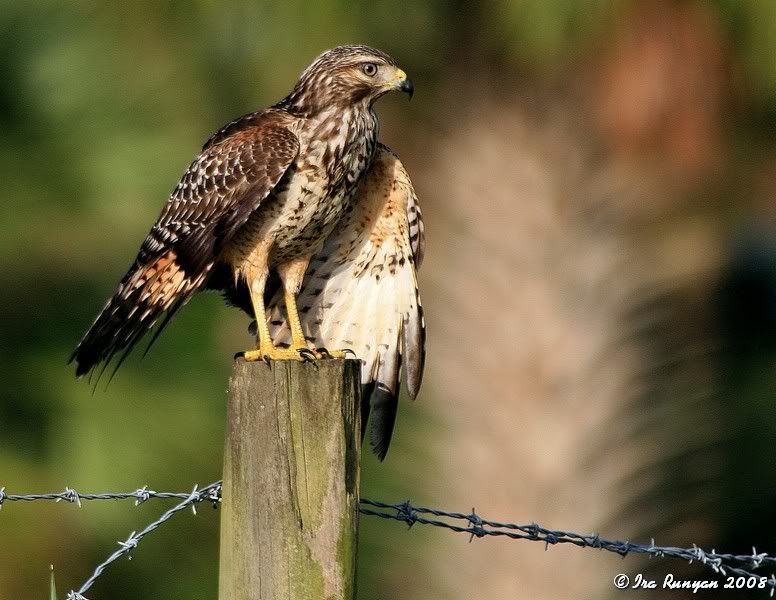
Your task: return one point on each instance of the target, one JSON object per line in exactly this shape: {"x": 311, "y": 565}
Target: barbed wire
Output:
{"x": 721, "y": 563}
{"x": 741, "y": 565}
{"x": 210, "y": 493}
{"x": 70, "y": 495}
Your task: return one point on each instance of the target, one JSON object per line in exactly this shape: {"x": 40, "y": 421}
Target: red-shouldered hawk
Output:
{"x": 301, "y": 190}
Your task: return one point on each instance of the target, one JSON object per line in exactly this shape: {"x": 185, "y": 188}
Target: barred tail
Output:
{"x": 149, "y": 290}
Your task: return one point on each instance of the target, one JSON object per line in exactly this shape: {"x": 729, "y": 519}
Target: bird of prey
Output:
{"x": 294, "y": 203}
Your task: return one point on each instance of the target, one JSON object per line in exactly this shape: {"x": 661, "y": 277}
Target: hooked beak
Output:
{"x": 407, "y": 87}
{"x": 403, "y": 84}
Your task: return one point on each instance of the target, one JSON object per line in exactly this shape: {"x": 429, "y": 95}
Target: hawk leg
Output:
{"x": 267, "y": 350}
{"x": 291, "y": 274}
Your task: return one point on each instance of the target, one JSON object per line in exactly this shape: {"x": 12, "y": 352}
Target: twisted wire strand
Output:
{"x": 472, "y": 524}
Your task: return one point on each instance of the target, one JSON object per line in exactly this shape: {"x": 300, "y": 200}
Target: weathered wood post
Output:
{"x": 289, "y": 520}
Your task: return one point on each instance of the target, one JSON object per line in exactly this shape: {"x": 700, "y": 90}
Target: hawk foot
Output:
{"x": 324, "y": 353}
{"x": 269, "y": 353}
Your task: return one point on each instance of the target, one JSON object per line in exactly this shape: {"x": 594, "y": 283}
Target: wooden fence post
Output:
{"x": 289, "y": 520}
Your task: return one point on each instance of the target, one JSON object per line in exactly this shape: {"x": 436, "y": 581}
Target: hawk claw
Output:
{"x": 307, "y": 354}
{"x": 335, "y": 353}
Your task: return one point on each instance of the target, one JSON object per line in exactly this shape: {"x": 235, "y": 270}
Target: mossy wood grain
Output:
{"x": 289, "y": 520}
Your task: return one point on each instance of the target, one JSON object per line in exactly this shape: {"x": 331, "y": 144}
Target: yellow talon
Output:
{"x": 271, "y": 352}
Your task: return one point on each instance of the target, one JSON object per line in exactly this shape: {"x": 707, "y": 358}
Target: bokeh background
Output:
{"x": 598, "y": 182}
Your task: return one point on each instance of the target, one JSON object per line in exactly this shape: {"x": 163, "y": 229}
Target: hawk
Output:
{"x": 296, "y": 205}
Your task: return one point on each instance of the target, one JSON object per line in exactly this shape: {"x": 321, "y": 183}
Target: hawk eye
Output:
{"x": 369, "y": 69}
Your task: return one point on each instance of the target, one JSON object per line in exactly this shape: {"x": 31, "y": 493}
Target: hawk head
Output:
{"x": 345, "y": 76}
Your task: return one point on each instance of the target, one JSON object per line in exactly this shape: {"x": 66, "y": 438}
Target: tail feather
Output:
{"x": 148, "y": 291}
{"x": 385, "y": 406}
{"x": 366, "y": 407}
{"x": 384, "y": 399}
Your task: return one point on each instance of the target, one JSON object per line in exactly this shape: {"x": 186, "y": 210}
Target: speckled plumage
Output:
{"x": 361, "y": 292}
{"x": 263, "y": 197}
{"x": 334, "y": 151}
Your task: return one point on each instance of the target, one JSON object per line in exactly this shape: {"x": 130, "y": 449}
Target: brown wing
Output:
{"x": 360, "y": 292}
{"x": 219, "y": 191}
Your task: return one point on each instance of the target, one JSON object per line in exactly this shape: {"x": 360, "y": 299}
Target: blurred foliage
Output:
{"x": 102, "y": 105}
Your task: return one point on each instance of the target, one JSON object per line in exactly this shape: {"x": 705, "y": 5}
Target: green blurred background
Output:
{"x": 598, "y": 184}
